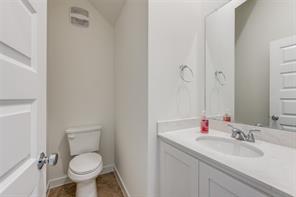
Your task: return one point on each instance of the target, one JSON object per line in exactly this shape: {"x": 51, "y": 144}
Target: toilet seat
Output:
{"x": 85, "y": 167}
{"x": 85, "y": 163}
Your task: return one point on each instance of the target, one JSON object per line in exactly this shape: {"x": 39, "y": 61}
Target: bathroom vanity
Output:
{"x": 216, "y": 165}
{"x": 250, "y": 81}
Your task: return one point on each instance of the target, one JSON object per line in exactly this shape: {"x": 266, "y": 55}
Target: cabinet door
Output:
{"x": 178, "y": 173}
{"x": 214, "y": 183}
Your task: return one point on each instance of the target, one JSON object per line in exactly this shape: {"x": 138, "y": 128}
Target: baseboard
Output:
{"x": 52, "y": 183}
{"x": 121, "y": 183}
{"x": 107, "y": 169}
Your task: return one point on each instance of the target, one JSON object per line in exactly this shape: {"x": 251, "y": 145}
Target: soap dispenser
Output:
{"x": 204, "y": 123}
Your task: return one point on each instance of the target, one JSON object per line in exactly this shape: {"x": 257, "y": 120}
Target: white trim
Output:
{"x": 107, "y": 169}
{"x": 47, "y": 189}
{"x": 56, "y": 182}
{"x": 121, "y": 183}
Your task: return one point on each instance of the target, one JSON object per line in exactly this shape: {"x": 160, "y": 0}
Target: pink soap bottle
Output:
{"x": 227, "y": 116}
{"x": 204, "y": 123}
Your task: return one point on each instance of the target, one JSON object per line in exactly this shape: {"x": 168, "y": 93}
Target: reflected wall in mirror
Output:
{"x": 251, "y": 63}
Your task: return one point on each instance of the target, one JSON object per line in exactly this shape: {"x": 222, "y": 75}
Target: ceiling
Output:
{"x": 110, "y": 9}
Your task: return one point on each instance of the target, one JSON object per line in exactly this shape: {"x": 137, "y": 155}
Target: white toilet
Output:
{"x": 87, "y": 164}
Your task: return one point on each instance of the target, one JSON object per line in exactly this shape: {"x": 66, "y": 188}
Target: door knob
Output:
{"x": 52, "y": 160}
{"x": 275, "y": 117}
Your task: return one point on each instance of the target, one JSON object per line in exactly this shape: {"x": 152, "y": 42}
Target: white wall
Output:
{"x": 110, "y": 9}
{"x": 80, "y": 80}
{"x": 131, "y": 76}
{"x": 175, "y": 37}
{"x": 254, "y": 32}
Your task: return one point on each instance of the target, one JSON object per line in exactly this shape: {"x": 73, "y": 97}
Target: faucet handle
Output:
{"x": 250, "y": 136}
{"x": 230, "y": 125}
{"x": 254, "y": 130}
{"x": 235, "y": 131}
{"x": 233, "y": 127}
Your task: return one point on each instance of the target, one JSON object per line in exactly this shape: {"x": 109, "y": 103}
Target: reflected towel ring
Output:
{"x": 182, "y": 71}
{"x": 221, "y": 81}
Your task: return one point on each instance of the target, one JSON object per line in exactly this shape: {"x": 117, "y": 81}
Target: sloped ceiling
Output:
{"x": 110, "y": 9}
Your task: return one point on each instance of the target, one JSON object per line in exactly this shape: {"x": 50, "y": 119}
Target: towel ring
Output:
{"x": 182, "y": 69}
{"x": 221, "y": 81}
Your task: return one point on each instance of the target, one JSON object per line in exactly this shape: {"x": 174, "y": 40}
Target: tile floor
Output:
{"x": 107, "y": 187}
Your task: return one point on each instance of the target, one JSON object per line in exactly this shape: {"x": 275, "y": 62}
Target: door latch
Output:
{"x": 52, "y": 160}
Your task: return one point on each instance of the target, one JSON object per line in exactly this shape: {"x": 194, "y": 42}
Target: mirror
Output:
{"x": 251, "y": 63}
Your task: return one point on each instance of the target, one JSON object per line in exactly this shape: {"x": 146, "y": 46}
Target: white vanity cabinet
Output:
{"x": 182, "y": 175}
{"x": 178, "y": 173}
{"x": 214, "y": 183}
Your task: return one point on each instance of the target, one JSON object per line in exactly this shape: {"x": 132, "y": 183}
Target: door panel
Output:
{"x": 179, "y": 173}
{"x": 214, "y": 183}
{"x": 22, "y": 81}
{"x": 216, "y": 189}
{"x": 22, "y": 96}
{"x": 16, "y": 19}
{"x": 289, "y": 107}
{"x": 288, "y": 67}
{"x": 289, "y": 53}
{"x": 20, "y": 176}
{"x": 289, "y": 80}
{"x": 16, "y": 128}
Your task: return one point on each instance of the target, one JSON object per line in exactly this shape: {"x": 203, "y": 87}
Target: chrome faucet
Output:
{"x": 251, "y": 137}
{"x": 239, "y": 134}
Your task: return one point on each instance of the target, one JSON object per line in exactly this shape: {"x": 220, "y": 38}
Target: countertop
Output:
{"x": 274, "y": 172}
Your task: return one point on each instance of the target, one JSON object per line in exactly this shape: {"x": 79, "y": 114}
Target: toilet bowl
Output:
{"x": 87, "y": 163}
{"x": 83, "y": 170}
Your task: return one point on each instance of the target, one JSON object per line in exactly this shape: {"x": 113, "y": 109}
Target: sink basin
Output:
{"x": 229, "y": 146}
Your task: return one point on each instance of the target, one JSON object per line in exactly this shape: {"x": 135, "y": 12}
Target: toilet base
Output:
{"x": 87, "y": 188}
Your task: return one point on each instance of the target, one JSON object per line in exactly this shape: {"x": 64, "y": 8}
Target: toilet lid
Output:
{"x": 85, "y": 163}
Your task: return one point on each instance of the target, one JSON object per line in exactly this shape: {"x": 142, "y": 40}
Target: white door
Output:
{"x": 22, "y": 97}
{"x": 178, "y": 173}
{"x": 283, "y": 84}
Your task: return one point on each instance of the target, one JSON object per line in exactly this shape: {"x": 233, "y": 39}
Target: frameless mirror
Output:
{"x": 251, "y": 63}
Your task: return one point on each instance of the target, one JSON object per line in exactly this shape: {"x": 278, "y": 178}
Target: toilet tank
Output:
{"x": 84, "y": 139}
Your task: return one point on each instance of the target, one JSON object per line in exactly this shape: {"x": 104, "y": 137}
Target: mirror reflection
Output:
{"x": 251, "y": 63}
